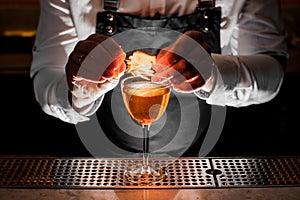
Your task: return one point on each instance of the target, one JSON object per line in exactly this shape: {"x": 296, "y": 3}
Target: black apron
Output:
{"x": 183, "y": 127}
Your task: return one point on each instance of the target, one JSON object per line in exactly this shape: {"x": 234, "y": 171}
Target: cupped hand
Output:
{"x": 106, "y": 61}
{"x": 94, "y": 67}
{"x": 171, "y": 62}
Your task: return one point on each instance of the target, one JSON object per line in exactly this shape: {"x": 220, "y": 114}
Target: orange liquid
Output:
{"x": 146, "y": 102}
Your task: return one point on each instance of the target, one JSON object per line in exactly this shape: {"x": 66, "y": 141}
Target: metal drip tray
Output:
{"x": 99, "y": 173}
{"x": 181, "y": 173}
{"x": 258, "y": 172}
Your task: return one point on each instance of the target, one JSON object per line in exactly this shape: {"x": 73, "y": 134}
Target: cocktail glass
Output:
{"x": 146, "y": 99}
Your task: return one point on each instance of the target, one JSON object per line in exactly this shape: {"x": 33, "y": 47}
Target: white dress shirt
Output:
{"x": 251, "y": 31}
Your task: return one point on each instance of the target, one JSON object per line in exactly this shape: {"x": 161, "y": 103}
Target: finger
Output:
{"x": 97, "y": 37}
{"x": 181, "y": 66}
{"x": 198, "y": 37}
{"x": 71, "y": 69}
{"x": 170, "y": 73}
{"x": 114, "y": 68}
{"x": 85, "y": 47}
{"x": 121, "y": 64}
{"x": 165, "y": 61}
{"x": 120, "y": 71}
{"x": 188, "y": 42}
{"x": 107, "y": 85}
{"x": 187, "y": 75}
{"x": 187, "y": 71}
{"x": 110, "y": 45}
{"x": 181, "y": 48}
{"x": 173, "y": 70}
{"x": 189, "y": 85}
{"x": 161, "y": 53}
{"x": 114, "y": 73}
{"x": 180, "y": 72}
{"x": 82, "y": 48}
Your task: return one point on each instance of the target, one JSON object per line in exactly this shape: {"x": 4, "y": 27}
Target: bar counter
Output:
{"x": 282, "y": 193}
{"x": 187, "y": 178}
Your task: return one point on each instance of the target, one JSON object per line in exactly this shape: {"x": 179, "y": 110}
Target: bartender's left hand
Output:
{"x": 184, "y": 76}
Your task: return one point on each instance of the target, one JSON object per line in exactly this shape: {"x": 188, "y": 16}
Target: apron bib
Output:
{"x": 183, "y": 127}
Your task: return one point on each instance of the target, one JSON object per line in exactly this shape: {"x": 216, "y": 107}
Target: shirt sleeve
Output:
{"x": 247, "y": 72}
{"x": 55, "y": 39}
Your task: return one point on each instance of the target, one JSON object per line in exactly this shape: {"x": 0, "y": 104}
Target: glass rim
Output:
{"x": 165, "y": 82}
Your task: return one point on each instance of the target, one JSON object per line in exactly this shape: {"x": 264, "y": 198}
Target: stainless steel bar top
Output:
{"x": 281, "y": 193}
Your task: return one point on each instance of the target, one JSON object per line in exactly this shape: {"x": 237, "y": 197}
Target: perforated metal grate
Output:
{"x": 181, "y": 173}
{"x": 98, "y": 173}
{"x": 257, "y": 172}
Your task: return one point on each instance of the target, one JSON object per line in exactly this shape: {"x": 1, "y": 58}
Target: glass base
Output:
{"x": 145, "y": 175}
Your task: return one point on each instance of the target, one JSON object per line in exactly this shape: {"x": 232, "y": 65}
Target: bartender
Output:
{"x": 248, "y": 59}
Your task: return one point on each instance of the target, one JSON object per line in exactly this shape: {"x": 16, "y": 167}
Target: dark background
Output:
{"x": 269, "y": 129}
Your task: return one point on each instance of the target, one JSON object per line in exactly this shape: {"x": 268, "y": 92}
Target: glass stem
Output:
{"x": 146, "y": 129}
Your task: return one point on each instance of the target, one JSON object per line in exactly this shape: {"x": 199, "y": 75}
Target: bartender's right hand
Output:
{"x": 94, "y": 67}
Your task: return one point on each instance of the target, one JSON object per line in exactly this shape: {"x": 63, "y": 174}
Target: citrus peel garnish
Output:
{"x": 140, "y": 63}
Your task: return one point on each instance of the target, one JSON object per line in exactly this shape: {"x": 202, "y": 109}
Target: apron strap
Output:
{"x": 206, "y": 3}
{"x": 111, "y": 5}
{"x": 109, "y": 26}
